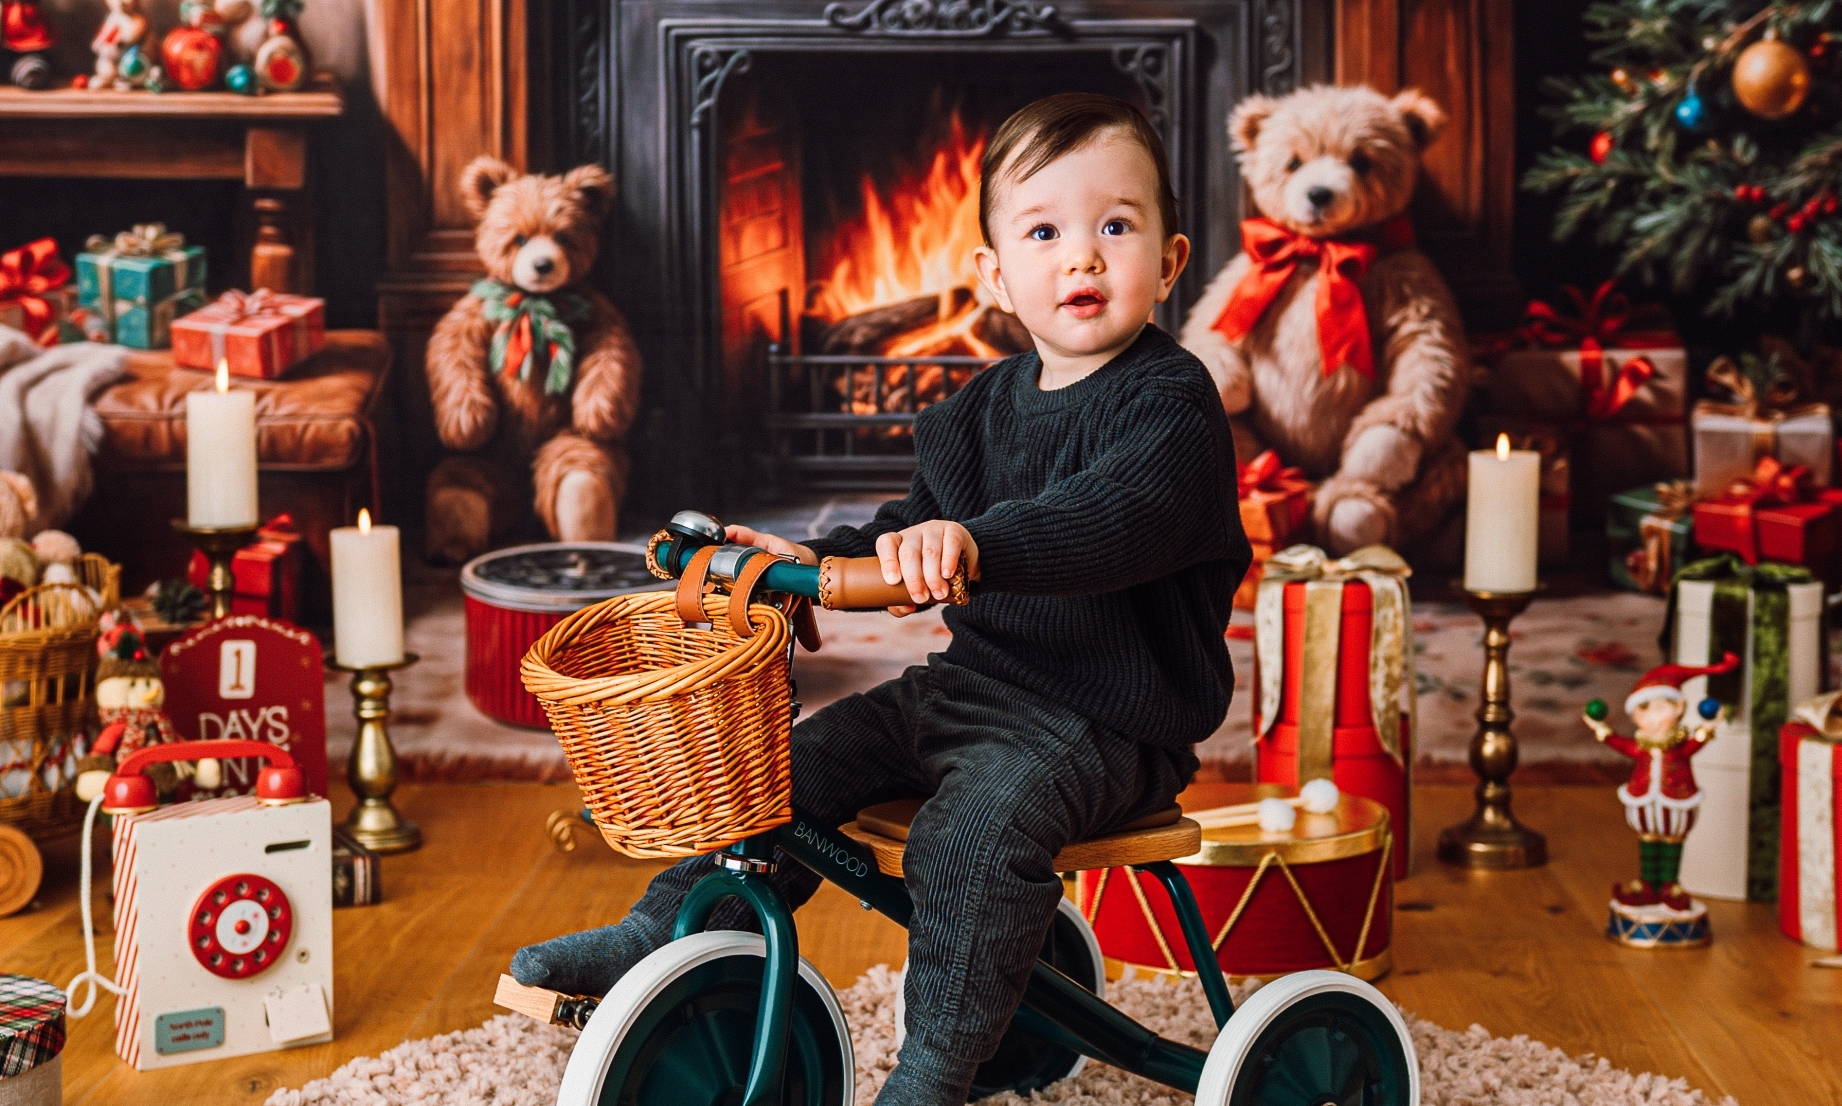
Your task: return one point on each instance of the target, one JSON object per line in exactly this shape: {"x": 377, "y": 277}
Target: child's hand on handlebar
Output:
{"x": 924, "y": 558}
{"x": 780, "y": 547}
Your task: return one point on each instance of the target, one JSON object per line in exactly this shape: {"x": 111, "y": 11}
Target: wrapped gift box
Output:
{"x": 261, "y": 334}
{"x": 133, "y": 287}
{"x": 1275, "y": 503}
{"x": 1772, "y": 515}
{"x": 1648, "y": 530}
{"x": 35, "y": 295}
{"x": 1772, "y": 617}
{"x": 1319, "y": 711}
{"x": 1731, "y": 438}
{"x": 265, "y": 573}
{"x": 32, "y": 1034}
{"x": 1812, "y": 824}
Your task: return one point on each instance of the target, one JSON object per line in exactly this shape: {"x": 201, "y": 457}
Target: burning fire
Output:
{"x": 916, "y": 240}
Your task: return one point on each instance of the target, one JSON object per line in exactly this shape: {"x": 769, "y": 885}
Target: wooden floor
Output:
{"x": 1518, "y": 953}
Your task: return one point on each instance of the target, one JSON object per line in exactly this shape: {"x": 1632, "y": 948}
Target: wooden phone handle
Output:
{"x": 856, "y": 584}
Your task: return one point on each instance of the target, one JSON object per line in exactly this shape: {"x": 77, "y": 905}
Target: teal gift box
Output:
{"x": 131, "y": 287}
{"x": 1649, "y": 530}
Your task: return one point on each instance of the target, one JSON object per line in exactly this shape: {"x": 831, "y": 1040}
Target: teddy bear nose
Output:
{"x": 543, "y": 266}
{"x": 1320, "y": 196}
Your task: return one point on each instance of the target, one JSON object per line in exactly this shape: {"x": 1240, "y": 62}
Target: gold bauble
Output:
{"x": 1797, "y": 277}
{"x": 1759, "y": 229}
{"x": 1771, "y": 79}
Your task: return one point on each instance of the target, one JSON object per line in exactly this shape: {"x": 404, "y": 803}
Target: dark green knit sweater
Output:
{"x": 1109, "y": 536}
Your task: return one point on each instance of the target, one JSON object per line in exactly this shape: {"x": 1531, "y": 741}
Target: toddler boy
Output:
{"x": 1090, "y": 486}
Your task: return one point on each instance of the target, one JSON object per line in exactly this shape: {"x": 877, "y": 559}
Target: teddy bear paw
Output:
{"x": 584, "y": 509}
{"x": 459, "y": 525}
{"x": 1355, "y": 523}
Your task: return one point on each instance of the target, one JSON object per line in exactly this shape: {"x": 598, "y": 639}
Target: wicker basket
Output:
{"x": 677, "y": 736}
{"x": 47, "y": 669}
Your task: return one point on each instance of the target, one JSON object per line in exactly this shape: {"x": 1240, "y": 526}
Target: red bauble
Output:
{"x": 1601, "y": 147}
{"x": 191, "y": 56}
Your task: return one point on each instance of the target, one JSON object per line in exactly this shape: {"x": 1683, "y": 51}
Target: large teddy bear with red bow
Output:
{"x": 1332, "y": 340}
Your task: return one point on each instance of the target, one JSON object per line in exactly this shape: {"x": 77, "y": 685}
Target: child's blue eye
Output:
{"x": 1044, "y": 233}
{"x": 1115, "y": 226}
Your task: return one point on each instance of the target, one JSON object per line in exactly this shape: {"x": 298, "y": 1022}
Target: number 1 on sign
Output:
{"x": 236, "y": 670}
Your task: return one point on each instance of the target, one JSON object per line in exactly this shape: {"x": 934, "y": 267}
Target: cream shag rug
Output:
{"x": 514, "y": 1061}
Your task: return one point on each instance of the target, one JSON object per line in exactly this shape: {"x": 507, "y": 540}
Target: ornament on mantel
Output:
{"x": 24, "y": 31}
{"x": 1771, "y": 79}
{"x": 119, "y": 61}
{"x": 194, "y": 54}
{"x": 282, "y": 62}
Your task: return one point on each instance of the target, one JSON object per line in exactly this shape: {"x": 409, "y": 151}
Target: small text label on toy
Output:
{"x": 189, "y": 1030}
{"x": 269, "y": 724}
{"x": 236, "y": 670}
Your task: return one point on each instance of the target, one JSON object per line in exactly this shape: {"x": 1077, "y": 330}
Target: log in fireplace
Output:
{"x": 799, "y": 196}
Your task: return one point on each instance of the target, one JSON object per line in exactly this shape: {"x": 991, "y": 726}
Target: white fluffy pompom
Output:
{"x": 1320, "y": 796}
{"x": 57, "y": 572}
{"x": 56, "y": 547}
{"x": 1277, "y": 816}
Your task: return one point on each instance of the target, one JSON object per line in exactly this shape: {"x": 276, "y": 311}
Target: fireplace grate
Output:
{"x": 845, "y": 422}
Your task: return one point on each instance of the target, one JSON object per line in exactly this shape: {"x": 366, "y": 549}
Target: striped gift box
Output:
{"x": 31, "y": 1024}
{"x": 1812, "y": 831}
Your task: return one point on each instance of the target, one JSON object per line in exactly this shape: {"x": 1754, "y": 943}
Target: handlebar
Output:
{"x": 835, "y": 583}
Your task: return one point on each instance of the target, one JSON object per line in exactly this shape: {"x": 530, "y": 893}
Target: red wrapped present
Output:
{"x": 1323, "y": 710}
{"x": 33, "y": 290}
{"x": 1275, "y": 502}
{"x": 261, "y": 334}
{"x": 1772, "y": 515}
{"x": 265, "y": 573}
{"x": 1810, "y": 851}
{"x": 1609, "y": 381}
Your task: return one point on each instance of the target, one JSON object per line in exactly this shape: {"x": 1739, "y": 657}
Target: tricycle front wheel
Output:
{"x": 1317, "y": 1038}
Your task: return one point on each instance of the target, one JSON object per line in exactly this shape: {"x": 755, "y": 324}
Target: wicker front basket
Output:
{"x": 677, "y": 736}
{"x": 47, "y": 669}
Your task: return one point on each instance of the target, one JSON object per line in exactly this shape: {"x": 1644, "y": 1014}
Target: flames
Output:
{"x": 914, "y": 239}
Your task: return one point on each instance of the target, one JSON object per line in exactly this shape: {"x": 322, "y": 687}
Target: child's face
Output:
{"x": 1078, "y": 251}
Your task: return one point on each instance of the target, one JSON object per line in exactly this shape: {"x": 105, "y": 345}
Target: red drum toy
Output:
{"x": 515, "y": 595}
{"x": 1315, "y": 896}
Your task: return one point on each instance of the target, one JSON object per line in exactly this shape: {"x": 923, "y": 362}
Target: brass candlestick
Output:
{"x": 1492, "y": 838}
{"x": 219, "y": 544}
{"x": 372, "y": 770}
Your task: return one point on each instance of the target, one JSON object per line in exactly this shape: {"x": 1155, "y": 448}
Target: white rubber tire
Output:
{"x": 1229, "y": 1055}
{"x": 1068, "y": 910}
{"x": 608, "y": 1027}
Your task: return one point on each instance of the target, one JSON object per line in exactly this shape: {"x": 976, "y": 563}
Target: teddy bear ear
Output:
{"x": 1249, "y": 116}
{"x": 1423, "y": 118}
{"x": 478, "y": 181}
{"x": 594, "y": 185}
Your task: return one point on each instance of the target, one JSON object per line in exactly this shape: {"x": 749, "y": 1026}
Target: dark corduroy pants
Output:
{"x": 1013, "y": 779}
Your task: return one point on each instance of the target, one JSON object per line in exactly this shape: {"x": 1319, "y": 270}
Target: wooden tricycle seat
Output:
{"x": 1166, "y": 835}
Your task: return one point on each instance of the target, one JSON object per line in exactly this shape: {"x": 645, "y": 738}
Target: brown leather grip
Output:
{"x": 856, "y": 584}
{"x": 743, "y": 588}
{"x": 690, "y": 595}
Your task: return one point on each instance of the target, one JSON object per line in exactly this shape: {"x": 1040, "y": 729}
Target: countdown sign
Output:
{"x": 251, "y": 678}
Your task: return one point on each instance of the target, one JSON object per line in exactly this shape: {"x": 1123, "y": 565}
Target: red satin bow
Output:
{"x": 26, "y": 274}
{"x": 1773, "y": 482}
{"x": 1597, "y": 323}
{"x": 1265, "y": 474}
{"x": 1343, "y": 324}
{"x": 245, "y": 305}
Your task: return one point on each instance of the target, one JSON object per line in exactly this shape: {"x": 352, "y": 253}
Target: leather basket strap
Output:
{"x": 743, "y": 588}
{"x": 690, "y": 596}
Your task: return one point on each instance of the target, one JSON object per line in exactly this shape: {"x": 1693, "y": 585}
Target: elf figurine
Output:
{"x": 129, "y": 698}
{"x": 1660, "y": 801}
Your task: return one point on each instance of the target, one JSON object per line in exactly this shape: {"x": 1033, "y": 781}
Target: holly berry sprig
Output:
{"x": 1795, "y": 218}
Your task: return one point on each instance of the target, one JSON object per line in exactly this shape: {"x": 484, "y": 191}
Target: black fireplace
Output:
{"x": 798, "y": 196}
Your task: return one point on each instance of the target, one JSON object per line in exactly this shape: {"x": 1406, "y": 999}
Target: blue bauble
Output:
{"x": 1691, "y": 112}
{"x": 1708, "y": 708}
{"x": 132, "y": 64}
{"x": 242, "y": 79}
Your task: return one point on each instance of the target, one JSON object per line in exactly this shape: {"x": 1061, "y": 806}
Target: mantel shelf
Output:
{"x": 323, "y": 101}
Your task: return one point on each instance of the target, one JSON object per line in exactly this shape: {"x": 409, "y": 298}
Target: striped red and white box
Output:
{"x": 1811, "y": 780}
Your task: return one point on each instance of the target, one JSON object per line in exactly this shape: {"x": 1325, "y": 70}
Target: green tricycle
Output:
{"x": 730, "y": 1018}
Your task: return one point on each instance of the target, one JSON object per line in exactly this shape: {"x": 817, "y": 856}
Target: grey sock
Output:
{"x": 590, "y": 962}
{"x": 927, "y": 1077}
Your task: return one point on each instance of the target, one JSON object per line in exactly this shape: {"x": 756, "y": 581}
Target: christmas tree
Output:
{"x": 1708, "y": 155}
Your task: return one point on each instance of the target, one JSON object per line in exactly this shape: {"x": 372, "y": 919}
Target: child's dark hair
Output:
{"x": 1055, "y": 125}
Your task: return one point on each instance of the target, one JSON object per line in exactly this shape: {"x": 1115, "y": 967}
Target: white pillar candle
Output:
{"x": 220, "y": 455}
{"x": 1501, "y": 510}
{"x": 367, "y": 595}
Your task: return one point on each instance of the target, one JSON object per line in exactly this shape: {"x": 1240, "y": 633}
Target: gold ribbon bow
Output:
{"x": 1675, "y": 498}
{"x": 141, "y": 240}
{"x": 1391, "y": 650}
{"x": 244, "y": 305}
{"x": 1822, "y": 714}
{"x": 1775, "y": 405}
